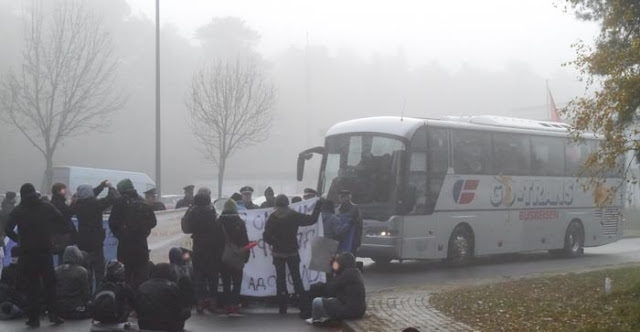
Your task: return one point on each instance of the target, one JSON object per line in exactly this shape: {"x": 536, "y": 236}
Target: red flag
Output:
{"x": 553, "y": 110}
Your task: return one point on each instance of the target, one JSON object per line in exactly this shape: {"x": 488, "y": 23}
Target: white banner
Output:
{"x": 259, "y": 273}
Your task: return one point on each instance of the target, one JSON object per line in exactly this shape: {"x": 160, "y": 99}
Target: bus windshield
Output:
{"x": 362, "y": 164}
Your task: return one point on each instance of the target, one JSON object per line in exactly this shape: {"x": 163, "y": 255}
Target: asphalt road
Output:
{"x": 406, "y": 274}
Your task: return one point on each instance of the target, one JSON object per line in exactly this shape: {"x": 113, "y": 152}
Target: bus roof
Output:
{"x": 405, "y": 127}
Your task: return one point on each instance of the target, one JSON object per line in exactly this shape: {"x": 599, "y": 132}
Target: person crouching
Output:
{"x": 72, "y": 282}
{"x": 343, "y": 296}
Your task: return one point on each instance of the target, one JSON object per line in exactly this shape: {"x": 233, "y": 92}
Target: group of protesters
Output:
{"x": 162, "y": 295}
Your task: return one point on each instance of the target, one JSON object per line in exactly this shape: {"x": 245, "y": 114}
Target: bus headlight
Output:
{"x": 388, "y": 233}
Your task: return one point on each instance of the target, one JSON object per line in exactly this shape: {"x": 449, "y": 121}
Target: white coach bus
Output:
{"x": 463, "y": 186}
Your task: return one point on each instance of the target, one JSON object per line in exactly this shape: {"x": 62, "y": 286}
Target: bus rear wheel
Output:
{"x": 460, "y": 249}
{"x": 574, "y": 240}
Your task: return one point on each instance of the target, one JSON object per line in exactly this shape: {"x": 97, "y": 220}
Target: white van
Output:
{"x": 74, "y": 176}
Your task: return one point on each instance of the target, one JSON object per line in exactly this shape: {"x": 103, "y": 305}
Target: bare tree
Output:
{"x": 65, "y": 86}
{"x": 231, "y": 107}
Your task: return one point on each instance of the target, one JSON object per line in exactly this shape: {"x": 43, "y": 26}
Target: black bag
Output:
{"x": 105, "y": 305}
{"x": 233, "y": 256}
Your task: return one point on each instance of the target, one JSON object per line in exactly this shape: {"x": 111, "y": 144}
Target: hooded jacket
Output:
{"x": 35, "y": 220}
{"x": 8, "y": 204}
{"x": 89, "y": 211}
{"x": 345, "y": 292}
{"x": 72, "y": 281}
{"x": 160, "y": 303}
{"x": 234, "y": 226}
{"x": 208, "y": 240}
{"x": 281, "y": 230}
{"x": 131, "y": 221}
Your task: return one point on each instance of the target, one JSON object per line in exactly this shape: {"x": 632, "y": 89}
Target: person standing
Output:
{"x": 91, "y": 233}
{"x": 65, "y": 235}
{"x": 349, "y": 213}
{"x": 35, "y": 220}
{"x": 235, "y": 231}
{"x": 188, "y": 197}
{"x": 270, "y": 198}
{"x": 247, "y": 198}
{"x": 281, "y": 233}
{"x": 8, "y": 204}
{"x": 151, "y": 196}
{"x": 131, "y": 222}
{"x": 208, "y": 243}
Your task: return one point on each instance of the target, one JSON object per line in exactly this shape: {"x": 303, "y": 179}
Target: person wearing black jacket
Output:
{"x": 236, "y": 231}
{"x": 208, "y": 244}
{"x": 91, "y": 233}
{"x": 35, "y": 220}
{"x": 131, "y": 221}
{"x": 160, "y": 303}
{"x": 343, "y": 297}
{"x": 72, "y": 282}
{"x": 65, "y": 235}
{"x": 281, "y": 232}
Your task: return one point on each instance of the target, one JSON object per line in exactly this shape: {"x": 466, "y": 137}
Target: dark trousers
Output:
{"x": 231, "y": 296}
{"x": 206, "y": 281}
{"x": 95, "y": 263}
{"x": 37, "y": 269}
{"x": 136, "y": 274}
{"x": 281, "y": 264}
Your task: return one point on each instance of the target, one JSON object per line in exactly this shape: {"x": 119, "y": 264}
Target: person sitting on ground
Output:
{"x": 235, "y": 231}
{"x": 72, "y": 285}
{"x": 343, "y": 297}
{"x": 182, "y": 271}
{"x": 113, "y": 301}
{"x": 160, "y": 303}
{"x": 13, "y": 298}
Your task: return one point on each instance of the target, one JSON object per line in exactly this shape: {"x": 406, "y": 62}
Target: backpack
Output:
{"x": 105, "y": 304}
{"x": 137, "y": 217}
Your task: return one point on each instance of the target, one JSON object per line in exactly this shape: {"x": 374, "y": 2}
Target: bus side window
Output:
{"x": 471, "y": 152}
{"x": 547, "y": 156}
{"x": 576, "y": 155}
{"x": 438, "y": 164}
{"x": 416, "y": 187}
{"x": 511, "y": 154}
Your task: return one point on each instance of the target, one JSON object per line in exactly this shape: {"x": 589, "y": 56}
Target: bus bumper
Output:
{"x": 380, "y": 247}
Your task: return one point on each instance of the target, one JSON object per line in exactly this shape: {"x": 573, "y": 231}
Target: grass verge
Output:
{"x": 571, "y": 302}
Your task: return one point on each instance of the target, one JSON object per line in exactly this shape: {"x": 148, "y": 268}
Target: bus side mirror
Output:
{"x": 304, "y": 156}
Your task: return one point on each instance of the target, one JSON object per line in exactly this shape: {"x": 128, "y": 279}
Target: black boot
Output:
{"x": 304, "y": 303}
{"x": 33, "y": 322}
{"x": 283, "y": 303}
{"x": 55, "y": 319}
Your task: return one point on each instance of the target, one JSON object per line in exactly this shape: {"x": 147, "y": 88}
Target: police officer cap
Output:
{"x": 189, "y": 188}
{"x": 151, "y": 191}
{"x": 309, "y": 191}
{"x": 246, "y": 189}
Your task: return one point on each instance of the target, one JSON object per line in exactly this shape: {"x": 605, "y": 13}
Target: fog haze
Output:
{"x": 330, "y": 61}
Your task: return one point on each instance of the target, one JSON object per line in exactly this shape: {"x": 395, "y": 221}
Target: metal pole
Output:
{"x": 158, "y": 150}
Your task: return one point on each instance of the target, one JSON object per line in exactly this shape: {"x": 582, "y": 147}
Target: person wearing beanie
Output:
{"x": 91, "y": 234}
{"x": 65, "y": 235}
{"x": 208, "y": 244}
{"x": 281, "y": 233}
{"x": 235, "y": 231}
{"x": 270, "y": 197}
{"x": 35, "y": 221}
{"x": 131, "y": 221}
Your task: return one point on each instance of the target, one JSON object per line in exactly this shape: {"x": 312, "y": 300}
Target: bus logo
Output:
{"x": 464, "y": 191}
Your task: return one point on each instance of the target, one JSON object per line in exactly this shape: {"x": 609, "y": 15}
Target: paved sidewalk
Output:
{"x": 395, "y": 310}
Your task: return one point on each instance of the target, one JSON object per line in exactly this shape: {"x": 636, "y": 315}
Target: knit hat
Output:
{"x": 230, "y": 207}
{"x": 27, "y": 189}
{"x": 124, "y": 185}
{"x": 282, "y": 200}
{"x": 84, "y": 191}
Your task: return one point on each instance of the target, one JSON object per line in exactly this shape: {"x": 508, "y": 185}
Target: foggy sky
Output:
{"x": 364, "y": 58}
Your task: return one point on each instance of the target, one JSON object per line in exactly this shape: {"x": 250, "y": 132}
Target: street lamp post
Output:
{"x": 158, "y": 149}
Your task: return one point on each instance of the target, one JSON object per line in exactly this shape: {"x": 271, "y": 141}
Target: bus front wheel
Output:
{"x": 460, "y": 249}
{"x": 574, "y": 239}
